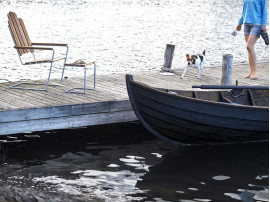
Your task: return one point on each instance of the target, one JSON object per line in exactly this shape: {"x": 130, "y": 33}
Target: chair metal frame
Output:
{"x": 24, "y": 45}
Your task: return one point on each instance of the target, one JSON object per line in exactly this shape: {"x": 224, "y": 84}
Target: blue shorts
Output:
{"x": 252, "y": 29}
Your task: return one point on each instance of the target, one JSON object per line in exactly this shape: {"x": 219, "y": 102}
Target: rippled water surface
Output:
{"x": 123, "y": 162}
{"x": 125, "y": 36}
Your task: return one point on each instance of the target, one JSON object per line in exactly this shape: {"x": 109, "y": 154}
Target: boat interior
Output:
{"x": 236, "y": 97}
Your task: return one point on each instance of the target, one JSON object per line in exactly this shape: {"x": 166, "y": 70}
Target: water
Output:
{"x": 125, "y": 36}
{"x": 123, "y": 162}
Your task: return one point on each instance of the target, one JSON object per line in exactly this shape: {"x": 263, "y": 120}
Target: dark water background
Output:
{"x": 123, "y": 162}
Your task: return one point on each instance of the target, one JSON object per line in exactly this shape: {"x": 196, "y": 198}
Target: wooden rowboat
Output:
{"x": 195, "y": 117}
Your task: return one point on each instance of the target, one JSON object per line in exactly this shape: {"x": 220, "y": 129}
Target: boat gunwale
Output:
{"x": 188, "y": 111}
{"x": 147, "y": 87}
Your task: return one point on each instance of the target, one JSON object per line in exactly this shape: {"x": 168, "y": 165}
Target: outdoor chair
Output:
{"x": 23, "y": 45}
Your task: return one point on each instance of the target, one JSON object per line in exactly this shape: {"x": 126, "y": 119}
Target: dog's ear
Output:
{"x": 187, "y": 56}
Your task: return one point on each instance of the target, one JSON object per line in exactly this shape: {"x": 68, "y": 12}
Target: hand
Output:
{"x": 238, "y": 27}
{"x": 264, "y": 29}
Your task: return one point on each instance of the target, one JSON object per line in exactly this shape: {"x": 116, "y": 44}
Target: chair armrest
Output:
{"x": 31, "y": 47}
{"x": 50, "y": 44}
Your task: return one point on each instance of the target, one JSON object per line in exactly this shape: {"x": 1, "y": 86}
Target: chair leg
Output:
{"x": 29, "y": 83}
{"x": 48, "y": 82}
{"x": 15, "y": 86}
{"x": 63, "y": 73}
{"x": 64, "y": 66}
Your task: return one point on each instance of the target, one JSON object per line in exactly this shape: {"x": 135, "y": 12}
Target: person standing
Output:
{"x": 254, "y": 18}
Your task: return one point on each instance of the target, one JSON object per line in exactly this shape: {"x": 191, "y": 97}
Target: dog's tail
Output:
{"x": 203, "y": 52}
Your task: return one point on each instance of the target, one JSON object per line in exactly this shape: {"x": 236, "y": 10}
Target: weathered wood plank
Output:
{"x": 66, "y": 122}
{"x": 63, "y": 111}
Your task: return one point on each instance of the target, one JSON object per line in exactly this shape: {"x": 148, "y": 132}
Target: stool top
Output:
{"x": 79, "y": 63}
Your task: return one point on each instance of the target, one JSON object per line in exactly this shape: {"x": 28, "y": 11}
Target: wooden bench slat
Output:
{"x": 33, "y": 47}
{"x": 13, "y": 32}
{"x": 44, "y": 60}
{"x": 18, "y": 32}
{"x": 26, "y": 34}
{"x": 50, "y": 44}
{"x": 14, "y": 22}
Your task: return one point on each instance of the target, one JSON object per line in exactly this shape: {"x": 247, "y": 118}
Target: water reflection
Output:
{"x": 123, "y": 162}
{"x": 103, "y": 162}
{"x": 211, "y": 173}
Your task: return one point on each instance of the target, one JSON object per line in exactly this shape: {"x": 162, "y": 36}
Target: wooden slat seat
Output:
{"x": 49, "y": 60}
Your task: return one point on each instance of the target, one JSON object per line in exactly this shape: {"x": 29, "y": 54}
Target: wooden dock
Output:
{"x": 27, "y": 111}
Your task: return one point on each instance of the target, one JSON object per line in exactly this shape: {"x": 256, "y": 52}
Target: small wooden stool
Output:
{"x": 80, "y": 63}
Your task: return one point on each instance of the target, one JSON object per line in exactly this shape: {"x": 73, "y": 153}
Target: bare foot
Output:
{"x": 247, "y": 76}
{"x": 254, "y": 75}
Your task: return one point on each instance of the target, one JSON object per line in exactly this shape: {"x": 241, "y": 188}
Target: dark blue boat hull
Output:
{"x": 191, "y": 120}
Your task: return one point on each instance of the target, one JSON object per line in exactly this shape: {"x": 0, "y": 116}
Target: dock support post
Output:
{"x": 168, "y": 57}
{"x": 226, "y": 78}
{"x": 3, "y": 151}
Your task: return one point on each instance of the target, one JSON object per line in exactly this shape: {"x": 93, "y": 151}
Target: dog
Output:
{"x": 196, "y": 61}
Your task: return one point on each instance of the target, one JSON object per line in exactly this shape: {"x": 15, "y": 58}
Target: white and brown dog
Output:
{"x": 196, "y": 61}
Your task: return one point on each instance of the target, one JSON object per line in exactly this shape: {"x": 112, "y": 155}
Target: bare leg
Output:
{"x": 249, "y": 59}
{"x": 251, "y": 40}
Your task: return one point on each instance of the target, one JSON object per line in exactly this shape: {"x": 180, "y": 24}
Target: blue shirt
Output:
{"x": 254, "y": 12}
